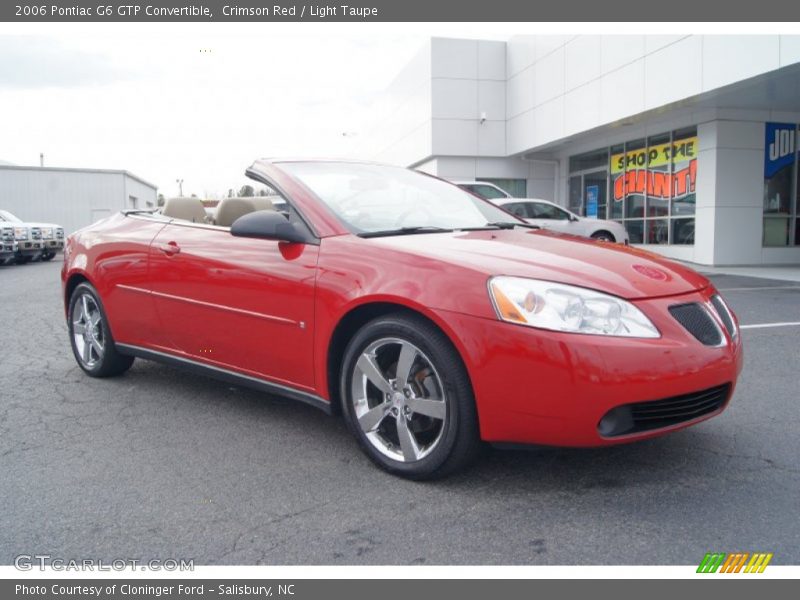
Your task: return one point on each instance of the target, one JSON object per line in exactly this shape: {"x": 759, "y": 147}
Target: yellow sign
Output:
{"x": 656, "y": 156}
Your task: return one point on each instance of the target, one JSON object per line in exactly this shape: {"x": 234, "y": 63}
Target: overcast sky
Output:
{"x": 160, "y": 107}
{"x": 202, "y": 101}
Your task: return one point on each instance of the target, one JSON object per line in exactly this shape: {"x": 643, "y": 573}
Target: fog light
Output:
{"x": 616, "y": 422}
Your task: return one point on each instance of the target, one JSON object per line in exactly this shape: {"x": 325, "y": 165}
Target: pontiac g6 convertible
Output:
{"x": 430, "y": 318}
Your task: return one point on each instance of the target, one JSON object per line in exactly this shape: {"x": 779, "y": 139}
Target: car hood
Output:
{"x": 622, "y": 271}
{"x": 28, "y": 224}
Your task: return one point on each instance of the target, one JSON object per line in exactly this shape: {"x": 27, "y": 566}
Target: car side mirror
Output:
{"x": 573, "y": 218}
{"x": 267, "y": 225}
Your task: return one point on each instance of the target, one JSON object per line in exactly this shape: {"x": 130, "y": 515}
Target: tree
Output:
{"x": 247, "y": 191}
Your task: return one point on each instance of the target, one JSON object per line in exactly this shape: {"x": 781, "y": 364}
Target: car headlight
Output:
{"x": 567, "y": 308}
{"x": 21, "y": 233}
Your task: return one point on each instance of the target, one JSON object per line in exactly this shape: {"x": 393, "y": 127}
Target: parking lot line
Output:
{"x": 765, "y": 325}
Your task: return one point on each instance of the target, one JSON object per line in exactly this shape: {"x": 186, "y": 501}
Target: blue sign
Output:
{"x": 779, "y": 146}
{"x": 592, "y": 194}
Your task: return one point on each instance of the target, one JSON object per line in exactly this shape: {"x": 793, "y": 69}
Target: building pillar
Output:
{"x": 730, "y": 181}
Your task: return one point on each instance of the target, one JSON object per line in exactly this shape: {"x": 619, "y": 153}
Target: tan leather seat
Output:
{"x": 262, "y": 203}
{"x": 230, "y": 209}
{"x": 187, "y": 209}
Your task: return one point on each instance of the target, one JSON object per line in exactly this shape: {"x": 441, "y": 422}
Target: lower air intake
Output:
{"x": 658, "y": 414}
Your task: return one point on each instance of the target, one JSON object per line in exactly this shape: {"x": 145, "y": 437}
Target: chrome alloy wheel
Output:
{"x": 399, "y": 399}
{"x": 87, "y": 331}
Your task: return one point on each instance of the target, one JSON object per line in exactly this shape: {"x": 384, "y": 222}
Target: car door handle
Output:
{"x": 170, "y": 248}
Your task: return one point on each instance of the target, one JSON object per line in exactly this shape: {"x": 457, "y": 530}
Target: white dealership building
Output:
{"x": 689, "y": 140}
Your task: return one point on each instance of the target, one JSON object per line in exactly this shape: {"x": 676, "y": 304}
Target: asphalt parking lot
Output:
{"x": 162, "y": 464}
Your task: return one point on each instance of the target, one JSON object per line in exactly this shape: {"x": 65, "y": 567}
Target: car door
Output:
{"x": 121, "y": 276}
{"x": 551, "y": 217}
{"x": 241, "y": 304}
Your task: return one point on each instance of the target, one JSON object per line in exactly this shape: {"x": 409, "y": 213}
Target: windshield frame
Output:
{"x": 283, "y": 166}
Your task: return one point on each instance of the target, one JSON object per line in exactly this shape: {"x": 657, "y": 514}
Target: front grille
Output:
{"x": 8, "y": 235}
{"x": 697, "y": 321}
{"x": 724, "y": 314}
{"x": 36, "y": 233}
{"x": 658, "y": 414}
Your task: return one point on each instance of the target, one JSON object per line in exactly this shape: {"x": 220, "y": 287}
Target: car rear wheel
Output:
{"x": 48, "y": 256}
{"x": 90, "y": 336}
{"x": 407, "y": 399}
{"x": 603, "y": 236}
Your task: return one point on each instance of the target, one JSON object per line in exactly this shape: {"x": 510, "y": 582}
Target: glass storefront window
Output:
{"x": 635, "y": 178}
{"x": 597, "y": 159}
{"x": 649, "y": 186}
{"x": 683, "y": 231}
{"x": 776, "y": 231}
{"x": 684, "y": 172}
{"x": 659, "y": 180}
{"x": 594, "y": 190}
{"x": 575, "y": 194}
{"x": 657, "y": 231}
{"x": 518, "y": 188}
{"x": 635, "y": 231}
{"x": 617, "y": 190}
{"x": 780, "y": 183}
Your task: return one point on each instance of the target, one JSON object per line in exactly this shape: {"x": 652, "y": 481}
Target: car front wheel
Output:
{"x": 90, "y": 336}
{"x": 407, "y": 398}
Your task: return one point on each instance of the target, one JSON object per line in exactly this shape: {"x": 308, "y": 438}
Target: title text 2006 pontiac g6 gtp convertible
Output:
{"x": 430, "y": 318}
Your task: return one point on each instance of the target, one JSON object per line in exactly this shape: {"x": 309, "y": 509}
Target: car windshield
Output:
{"x": 377, "y": 198}
{"x": 7, "y": 216}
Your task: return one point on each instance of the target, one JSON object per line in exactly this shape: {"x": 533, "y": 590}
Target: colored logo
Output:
{"x": 738, "y": 562}
{"x": 651, "y": 272}
{"x": 779, "y": 144}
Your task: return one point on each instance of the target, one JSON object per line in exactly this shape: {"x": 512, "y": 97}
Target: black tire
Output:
{"x": 48, "y": 256}
{"x": 110, "y": 362}
{"x": 604, "y": 236}
{"x": 458, "y": 442}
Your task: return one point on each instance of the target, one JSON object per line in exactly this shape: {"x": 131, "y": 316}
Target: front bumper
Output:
{"x": 54, "y": 245}
{"x": 542, "y": 387}
{"x": 29, "y": 247}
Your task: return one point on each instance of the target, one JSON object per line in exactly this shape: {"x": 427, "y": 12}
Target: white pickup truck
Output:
{"x": 34, "y": 241}
{"x": 8, "y": 244}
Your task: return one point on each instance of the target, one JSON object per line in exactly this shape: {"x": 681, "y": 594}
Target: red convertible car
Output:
{"x": 432, "y": 319}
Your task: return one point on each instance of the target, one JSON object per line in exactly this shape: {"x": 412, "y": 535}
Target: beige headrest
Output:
{"x": 188, "y": 209}
{"x": 230, "y": 209}
{"x": 262, "y": 203}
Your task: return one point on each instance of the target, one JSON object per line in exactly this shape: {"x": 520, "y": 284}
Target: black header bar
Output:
{"x": 401, "y": 11}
